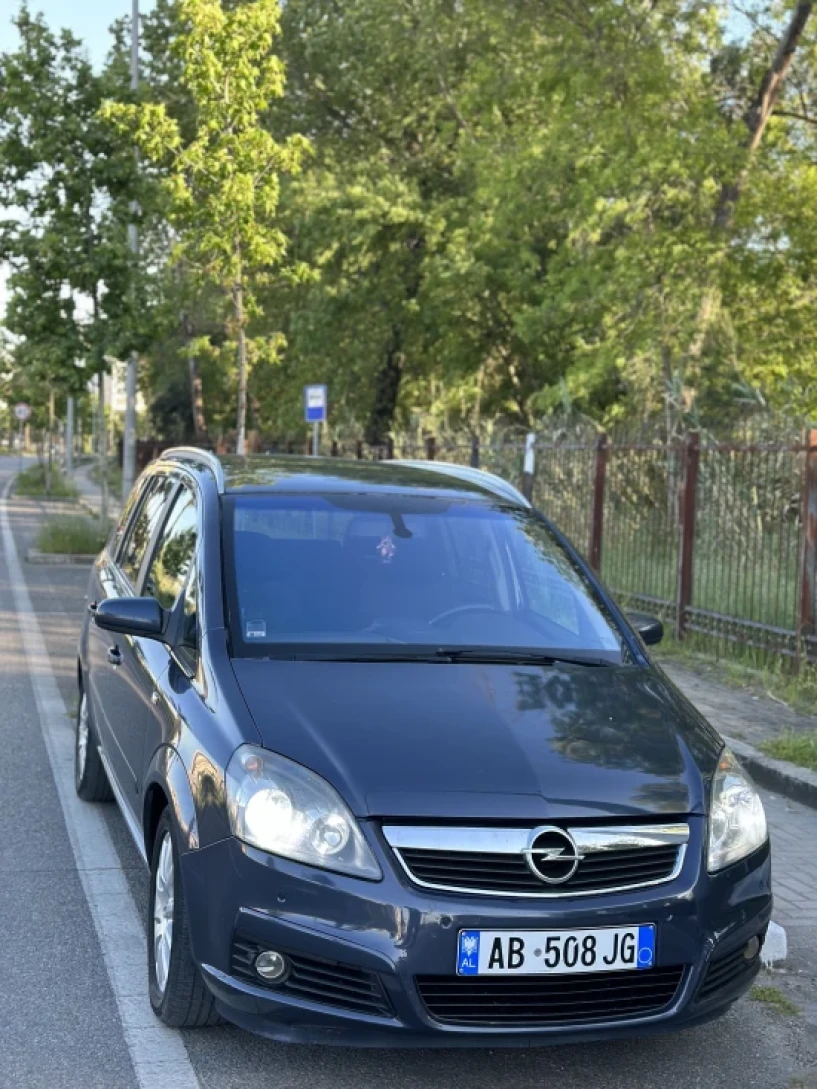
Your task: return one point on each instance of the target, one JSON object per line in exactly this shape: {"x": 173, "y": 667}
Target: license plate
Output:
{"x": 554, "y": 952}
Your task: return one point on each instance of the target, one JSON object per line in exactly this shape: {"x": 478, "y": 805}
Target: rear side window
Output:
{"x": 174, "y": 552}
{"x": 143, "y": 526}
{"x": 127, "y": 510}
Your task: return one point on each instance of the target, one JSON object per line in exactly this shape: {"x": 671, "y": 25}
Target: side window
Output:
{"x": 142, "y": 528}
{"x": 190, "y": 625}
{"x": 127, "y": 510}
{"x": 174, "y": 552}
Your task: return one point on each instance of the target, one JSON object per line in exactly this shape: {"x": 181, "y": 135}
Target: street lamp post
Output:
{"x": 129, "y": 443}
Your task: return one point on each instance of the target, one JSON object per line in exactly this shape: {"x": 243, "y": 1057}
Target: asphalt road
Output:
{"x": 61, "y": 1019}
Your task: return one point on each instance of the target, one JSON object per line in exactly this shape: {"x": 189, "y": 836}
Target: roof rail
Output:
{"x": 201, "y": 457}
{"x": 489, "y": 481}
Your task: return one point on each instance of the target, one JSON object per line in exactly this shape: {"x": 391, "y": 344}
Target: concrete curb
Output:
{"x": 799, "y": 784}
{"x": 59, "y": 558}
{"x": 63, "y": 500}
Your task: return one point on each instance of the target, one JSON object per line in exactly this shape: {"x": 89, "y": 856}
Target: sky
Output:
{"x": 88, "y": 19}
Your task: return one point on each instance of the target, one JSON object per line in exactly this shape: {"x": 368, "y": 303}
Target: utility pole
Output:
{"x": 69, "y": 436}
{"x": 129, "y": 442}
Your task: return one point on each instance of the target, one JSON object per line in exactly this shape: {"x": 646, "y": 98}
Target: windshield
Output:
{"x": 349, "y": 571}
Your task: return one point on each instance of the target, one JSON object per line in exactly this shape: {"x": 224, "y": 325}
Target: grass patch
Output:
{"x": 771, "y": 996}
{"x": 74, "y": 534}
{"x": 799, "y": 749}
{"x": 32, "y": 482}
{"x": 747, "y": 668}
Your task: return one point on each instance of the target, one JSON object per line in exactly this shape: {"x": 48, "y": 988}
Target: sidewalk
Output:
{"x": 737, "y": 712}
{"x": 90, "y": 493}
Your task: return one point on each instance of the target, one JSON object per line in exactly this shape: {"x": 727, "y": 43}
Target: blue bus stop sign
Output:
{"x": 315, "y": 404}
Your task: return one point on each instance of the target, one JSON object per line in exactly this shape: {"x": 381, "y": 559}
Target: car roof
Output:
{"x": 296, "y": 473}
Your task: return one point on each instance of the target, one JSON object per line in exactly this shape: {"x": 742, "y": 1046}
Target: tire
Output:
{"x": 178, "y": 994}
{"x": 90, "y": 779}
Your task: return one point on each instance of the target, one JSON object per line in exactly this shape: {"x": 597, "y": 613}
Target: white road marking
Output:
{"x": 159, "y": 1057}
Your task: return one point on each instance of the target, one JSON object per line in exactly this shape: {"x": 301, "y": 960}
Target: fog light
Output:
{"x": 752, "y": 948}
{"x": 271, "y": 966}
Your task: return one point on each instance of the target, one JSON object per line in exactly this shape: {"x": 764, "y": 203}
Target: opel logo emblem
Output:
{"x": 552, "y": 855}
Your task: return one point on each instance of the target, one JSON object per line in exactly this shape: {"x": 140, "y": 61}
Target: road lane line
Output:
{"x": 158, "y": 1054}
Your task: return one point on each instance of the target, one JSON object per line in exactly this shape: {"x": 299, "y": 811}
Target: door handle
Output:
{"x": 115, "y": 656}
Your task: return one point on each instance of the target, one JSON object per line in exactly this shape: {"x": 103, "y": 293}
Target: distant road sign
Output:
{"x": 22, "y": 411}
{"x": 315, "y": 404}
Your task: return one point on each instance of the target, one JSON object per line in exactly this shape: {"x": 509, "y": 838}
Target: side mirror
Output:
{"x": 649, "y": 628}
{"x": 131, "y": 616}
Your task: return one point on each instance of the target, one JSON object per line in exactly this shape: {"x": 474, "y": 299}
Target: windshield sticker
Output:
{"x": 386, "y": 549}
{"x": 256, "y": 629}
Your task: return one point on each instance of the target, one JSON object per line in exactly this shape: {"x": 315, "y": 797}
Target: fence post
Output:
{"x": 431, "y": 448}
{"x": 389, "y": 448}
{"x": 359, "y": 450}
{"x": 529, "y": 466}
{"x": 597, "y": 514}
{"x": 335, "y": 450}
{"x": 683, "y": 598}
{"x": 475, "y": 451}
{"x": 808, "y": 557}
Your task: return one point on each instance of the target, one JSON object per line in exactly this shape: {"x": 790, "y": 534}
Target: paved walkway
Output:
{"x": 794, "y": 835}
{"x": 743, "y": 713}
{"x": 89, "y": 491}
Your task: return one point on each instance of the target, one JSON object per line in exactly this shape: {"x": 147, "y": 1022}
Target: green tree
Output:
{"x": 223, "y": 182}
{"x": 67, "y": 183}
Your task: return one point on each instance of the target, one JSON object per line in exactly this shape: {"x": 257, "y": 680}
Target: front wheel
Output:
{"x": 90, "y": 779}
{"x": 178, "y": 993}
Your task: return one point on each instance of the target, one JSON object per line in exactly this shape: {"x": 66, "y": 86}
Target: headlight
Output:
{"x": 281, "y": 807}
{"x": 737, "y": 823}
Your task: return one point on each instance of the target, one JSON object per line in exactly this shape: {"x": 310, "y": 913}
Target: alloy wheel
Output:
{"x": 83, "y": 733}
{"x": 163, "y": 900}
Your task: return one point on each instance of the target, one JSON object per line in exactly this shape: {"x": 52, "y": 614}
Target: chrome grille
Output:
{"x": 502, "y": 862}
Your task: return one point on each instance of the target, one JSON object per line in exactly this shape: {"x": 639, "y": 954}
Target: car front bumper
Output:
{"x": 360, "y": 937}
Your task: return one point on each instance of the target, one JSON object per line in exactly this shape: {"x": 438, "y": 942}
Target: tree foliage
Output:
{"x": 223, "y": 182}
{"x": 67, "y": 185}
{"x": 508, "y": 210}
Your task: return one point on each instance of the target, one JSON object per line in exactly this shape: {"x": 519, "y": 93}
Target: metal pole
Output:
{"x": 20, "y": 447}
{"x": 129, "y": 439}
{"x": 316, "y": 439}
{"x": 69, "y": 436}
{"x": 529, "y": 465}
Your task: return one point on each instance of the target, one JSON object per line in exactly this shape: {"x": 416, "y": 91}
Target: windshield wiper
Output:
{"x": 526, "y": 656}
{"x": 456, "y": 654}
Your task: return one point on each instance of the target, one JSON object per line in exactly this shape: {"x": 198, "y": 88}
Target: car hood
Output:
{"x": 469, "y": 741}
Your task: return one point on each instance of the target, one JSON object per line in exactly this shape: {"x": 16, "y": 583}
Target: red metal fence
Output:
{"x": 718, "y": 537}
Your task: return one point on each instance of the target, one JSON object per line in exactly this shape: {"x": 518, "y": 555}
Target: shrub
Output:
{"x": 74, "y": 534}
{"x": 32, "y": 481}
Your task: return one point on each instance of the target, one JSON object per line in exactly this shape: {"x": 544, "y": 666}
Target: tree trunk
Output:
{"x": 386, "y": 389}
{"x": 756, "y": 119}
{"x": 197, "y": 399}
{"x": 196, "y": 390}
{"x": 102, "y": 438}
{"x": 241, "y": 425}
{"x": 49, "y": 465}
